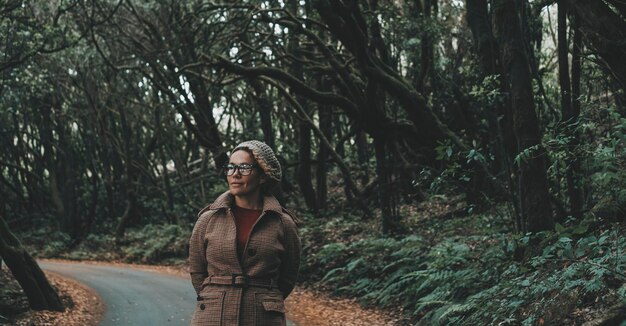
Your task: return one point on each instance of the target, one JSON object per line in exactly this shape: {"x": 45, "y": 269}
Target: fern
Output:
{"x": 443, "y": 314}
{"x": 471, "y": 280}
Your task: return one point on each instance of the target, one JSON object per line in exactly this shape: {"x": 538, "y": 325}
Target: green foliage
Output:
{"x": 457, "y": 165}
{"x": 152, "y": 244}
{"x": 608, "y": 163}
{"x": 95, "y": 247}
{"x": 527, "y": 154}
{"x": 156, "y": 243}
{"x": 44, "y": 242}
{"x": 574, "y": 268}
{"x": 55, "y": 244}
{"x": 472, "y": 279}
{"x": 488, "y": 92}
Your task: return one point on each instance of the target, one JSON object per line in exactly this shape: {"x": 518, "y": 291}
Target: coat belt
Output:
{"x": 240, "y": 280}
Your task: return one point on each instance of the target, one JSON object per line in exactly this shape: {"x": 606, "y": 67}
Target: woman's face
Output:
{"x": 244, "y": 185}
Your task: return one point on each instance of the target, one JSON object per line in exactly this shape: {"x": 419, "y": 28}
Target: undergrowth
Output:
{"x": 151, "y": 244}
{"x": 443, "y": 271}
{"x": 439, "y": 277}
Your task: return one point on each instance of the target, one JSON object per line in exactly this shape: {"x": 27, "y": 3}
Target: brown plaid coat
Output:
{"x": 272, "y": 255}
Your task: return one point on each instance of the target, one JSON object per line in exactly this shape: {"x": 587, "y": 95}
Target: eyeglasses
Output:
{"x": 244, "y": 169}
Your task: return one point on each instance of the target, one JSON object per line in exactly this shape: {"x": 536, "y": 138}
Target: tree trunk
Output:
{"x": 427, "y": 67}
{"x": 263, "y": 103}
{"x": 352, "y": 193}
{"x": 579, "y": 202}
{"x": 67, "y": 163}
{"x": 210, "y": 135}
{"x": 265, "y": 112}
{"x": 91, "y": 218}
{"x": 21, "y": 177}
{"x": 49, "y": 159}
{"x": 336, "y": 122}
{"x": 41, "y": 295}
{"x": 607, "y": 31}
{"x": 390, "y": 221}
{"x": 169, "y": 193}
{"x": 325, "y": 125}
{"x": 105, "y": 154}
{"x": 303, "y": 171}
{"x": 569, "y": 117}
{"x": 60, "y": 165}
{"x": 304, "y": 167}
{"x": 363, "y": 157}
{"x": 499, "y": 119}
{"x": 129, "y": 213}
{"x": 478, "y": 21}
{"x": 535, "y": 209}
{"x": 130, "y": 171}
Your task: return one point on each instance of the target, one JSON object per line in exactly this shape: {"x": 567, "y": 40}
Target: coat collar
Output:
{"x": 226, "y": 200}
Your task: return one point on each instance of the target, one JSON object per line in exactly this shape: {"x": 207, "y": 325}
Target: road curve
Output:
{"x": 133, "y": 296}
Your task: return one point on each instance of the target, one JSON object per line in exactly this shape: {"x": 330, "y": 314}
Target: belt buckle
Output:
{"x": 233, "y": 280}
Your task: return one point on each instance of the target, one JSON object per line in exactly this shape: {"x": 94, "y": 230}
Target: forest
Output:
{"x": 456, "y": 162}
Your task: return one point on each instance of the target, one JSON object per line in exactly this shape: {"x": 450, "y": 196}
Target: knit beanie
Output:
{"x": 264, "y": 156}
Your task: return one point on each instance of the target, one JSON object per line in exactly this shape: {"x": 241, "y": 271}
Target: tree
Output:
{"x": 605, "y": 30}
{"x": 535, "y": 208}
{"x": 172, "y": 70}
{"x": 41, "y": 295}
{"x": 570, "y": 115}
{"x": 131, "y": 119}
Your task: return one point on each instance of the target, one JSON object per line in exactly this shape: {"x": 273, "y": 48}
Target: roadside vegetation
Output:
{"x": 444, "y": 269}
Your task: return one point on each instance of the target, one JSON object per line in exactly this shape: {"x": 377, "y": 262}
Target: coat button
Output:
{"x": 251, "y": 252}
{"x": 202, "y": 306}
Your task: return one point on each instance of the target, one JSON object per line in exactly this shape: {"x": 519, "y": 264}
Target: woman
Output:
{"x": 244, "y": 251}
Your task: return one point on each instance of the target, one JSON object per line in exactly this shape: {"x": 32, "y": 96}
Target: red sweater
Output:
{"x": 244, "y": 219}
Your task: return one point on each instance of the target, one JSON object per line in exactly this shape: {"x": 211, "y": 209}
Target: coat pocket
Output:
{"x": 209, "y": 309}
{"x": 270, "y": 309}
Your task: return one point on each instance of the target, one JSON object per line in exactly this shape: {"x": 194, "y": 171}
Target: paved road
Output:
{"x": 134, "y": 296}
